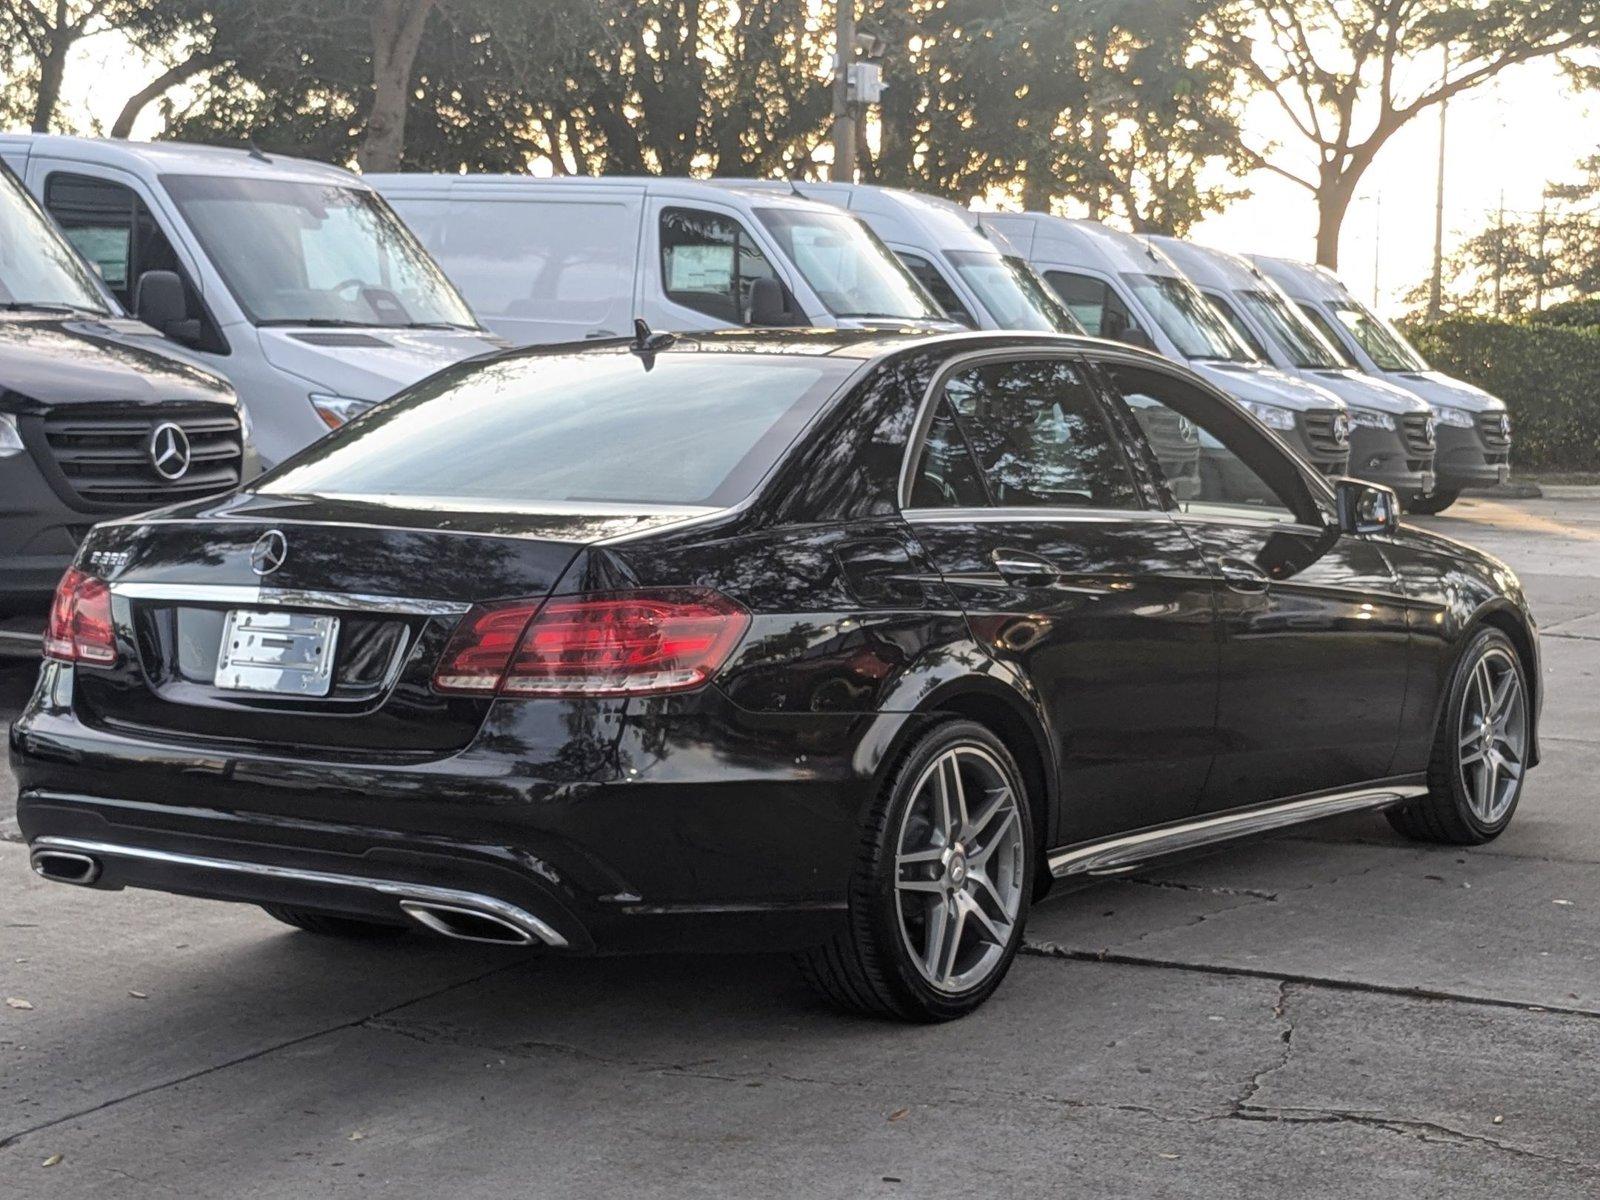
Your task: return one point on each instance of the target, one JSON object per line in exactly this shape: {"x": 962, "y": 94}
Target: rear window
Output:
{"x": 691, "y": 429}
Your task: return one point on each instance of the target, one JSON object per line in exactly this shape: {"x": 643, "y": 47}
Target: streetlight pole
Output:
{"x": 844, "y": 123}
{"x": 1436, "y": 281}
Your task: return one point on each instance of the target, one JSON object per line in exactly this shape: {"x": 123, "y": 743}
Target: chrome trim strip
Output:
{"x": 1112, "y": 855}
{"x": 1098, "y": 516}
{"x": 505, "y": 911}
{"x": 271, "y": 597}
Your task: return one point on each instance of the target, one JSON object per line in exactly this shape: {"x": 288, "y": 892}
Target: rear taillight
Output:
{"x": 604, "y": 644}
{"x": 80, "y": 629}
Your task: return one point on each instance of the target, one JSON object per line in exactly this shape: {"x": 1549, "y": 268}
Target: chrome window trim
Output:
{"x": 935, "y": 516}
{"x": 269, "y": 597}
{"x": 426, "y": 893}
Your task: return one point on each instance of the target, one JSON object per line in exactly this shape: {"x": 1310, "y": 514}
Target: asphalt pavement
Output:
{"x": 1330, "y": 1013}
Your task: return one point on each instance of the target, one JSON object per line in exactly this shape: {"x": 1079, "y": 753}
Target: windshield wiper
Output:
{"x": 52, "y": 306}
{"x": 323, "y": 323}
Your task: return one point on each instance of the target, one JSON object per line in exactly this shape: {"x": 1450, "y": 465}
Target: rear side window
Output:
{"x": 1036, "y": 435}
{"x": 692, "y": 429}
{"x": 1098, "y": 308}
{"x": 709, "y": 263}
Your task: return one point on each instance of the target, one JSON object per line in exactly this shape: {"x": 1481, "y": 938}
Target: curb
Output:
{"x": 1571, "y": 491}
{"x": 1507, "y": 491}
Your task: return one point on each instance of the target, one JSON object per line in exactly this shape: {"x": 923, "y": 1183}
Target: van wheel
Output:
{"x": 1480, "y": 752}
{"x": 941, "y": 890}
{"x": 1432, "y": 503}
{"x": 328, "y": 925}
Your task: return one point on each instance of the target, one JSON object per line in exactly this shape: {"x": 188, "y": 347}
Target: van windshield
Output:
{"x": 315, "y": 253}
{"x": 1015, "y": 297}
{"x": 38, "y": 267}
{"x": 851, "y": 271}
{"x": 685, "y": 428}
{"x": 1187, "y": 317}
{"x": 1383, "y": 343}
{"x": 1297, "y": 337}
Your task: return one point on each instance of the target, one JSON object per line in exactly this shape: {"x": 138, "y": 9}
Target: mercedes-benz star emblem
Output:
{"x": 267, "y": 555}
{"x": 1505, "y": 426}
{"x": 1341, "y": 430}
{"x": 169, "y": 450}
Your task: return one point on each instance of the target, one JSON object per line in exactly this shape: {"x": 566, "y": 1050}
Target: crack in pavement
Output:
{"x": 1280, "y": 1013}
{"x": 10, "y": 1140}
{"x": 1040, "y": 949}
{"x": 1211, "y": 890}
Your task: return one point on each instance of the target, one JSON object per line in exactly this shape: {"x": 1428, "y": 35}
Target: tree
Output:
{"x": 38, "y": 35}
{"x": 1338, "y": 72}
{"x": 397, "y": 27}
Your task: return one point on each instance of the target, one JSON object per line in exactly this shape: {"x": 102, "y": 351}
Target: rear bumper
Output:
{"x": 717, "y": 829}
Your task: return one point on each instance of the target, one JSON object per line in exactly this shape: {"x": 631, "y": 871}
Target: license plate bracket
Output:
{"x": 281, "y": 653}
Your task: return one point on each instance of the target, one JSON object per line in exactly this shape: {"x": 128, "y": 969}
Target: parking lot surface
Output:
{"x": 1334, "y": 1012}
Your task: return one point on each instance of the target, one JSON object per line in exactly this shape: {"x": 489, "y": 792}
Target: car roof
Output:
{"x": 656, "y": 185}
{"x": 182, "y": 158}
{"x": 1042, "y": 237}
{"x": 1208, "y": 268}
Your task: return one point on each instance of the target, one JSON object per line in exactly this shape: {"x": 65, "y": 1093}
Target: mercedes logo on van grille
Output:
{"x": 267, "y": 555}
{"x": 169, "y": 450}
{"x": 1341, "y": 429}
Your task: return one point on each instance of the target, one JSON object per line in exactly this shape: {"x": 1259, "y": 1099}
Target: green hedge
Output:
{"x": 1548, "y": 375}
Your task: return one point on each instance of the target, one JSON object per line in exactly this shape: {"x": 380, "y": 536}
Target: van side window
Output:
{"x": 1099, "y": 309}
{"x": 111, "y": 227}
{"x": 1237, "y": 323}
{"x": 1326, "y": 328}
{"x": 938, "y": 287}
{"x": 709, "y": 263}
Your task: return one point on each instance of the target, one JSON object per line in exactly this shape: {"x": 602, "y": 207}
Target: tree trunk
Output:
{"x": 52, "y": 68}
{"x": 170, "y": 78}
{"x": 1335, "y": 188}
{"x": 397, "y": 27}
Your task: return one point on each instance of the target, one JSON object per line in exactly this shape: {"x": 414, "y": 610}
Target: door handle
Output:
{"x": 595, "y": 334}
{"x": 1242, "y": 575}
{"x": 1020, "y": 566}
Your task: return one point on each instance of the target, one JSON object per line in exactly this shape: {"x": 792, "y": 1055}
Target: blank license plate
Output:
{"x": 290, "y": 654}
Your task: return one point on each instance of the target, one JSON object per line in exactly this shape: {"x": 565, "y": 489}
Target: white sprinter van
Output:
{"x": 560, "y": 260}
{"x": 1392, "y": 431}
{"x": 1120, "y": 286}
{"x": 290, "y": 278}
{"x": 1474, "y": 428}
{"x": 978, "y": 280}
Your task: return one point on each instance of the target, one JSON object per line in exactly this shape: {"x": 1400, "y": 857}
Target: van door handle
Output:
{"x": 599, "y": 333}
{"x": 1242, "y": 575}
{"x": 1020, "y": 566}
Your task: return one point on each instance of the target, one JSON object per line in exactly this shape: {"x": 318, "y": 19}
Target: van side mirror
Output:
{"x": 159, "y": 301}
{"x": 1134, "y": 336}
{"x": 1366, "y": 507}
{"x": 771, "y": 305}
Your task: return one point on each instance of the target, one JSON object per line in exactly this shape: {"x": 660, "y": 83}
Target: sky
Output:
{"x": 1505, "y": 139}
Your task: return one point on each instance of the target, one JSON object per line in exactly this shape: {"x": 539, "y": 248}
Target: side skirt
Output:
{"x": 1111, "y": 856}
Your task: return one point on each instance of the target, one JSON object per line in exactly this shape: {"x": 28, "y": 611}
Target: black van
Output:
{"x": 97, "y": 419}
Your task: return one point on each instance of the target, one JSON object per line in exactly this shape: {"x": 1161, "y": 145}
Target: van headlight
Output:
{"x": 1269, "y": 415}
{"x": 1371, "y": 418}
{"x": 10, "y": 436}
{"x": 1459, "y": 417}
{"x": 337, "y": 410}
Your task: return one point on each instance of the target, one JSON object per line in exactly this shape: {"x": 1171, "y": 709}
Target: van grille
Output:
{"x": 1418, "y": 430}
{"x": 103, "y": 451}
{"x": 1320, "y": 424}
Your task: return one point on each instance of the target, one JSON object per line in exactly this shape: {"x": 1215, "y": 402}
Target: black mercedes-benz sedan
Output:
{"x": 845, "y": 643}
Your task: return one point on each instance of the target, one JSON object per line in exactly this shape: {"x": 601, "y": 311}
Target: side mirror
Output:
{"x": 159, "y": 301}
{"x": 1366, "y": 507}
{"x": 771, "y": 305}
{"x": 1134, "y": 336}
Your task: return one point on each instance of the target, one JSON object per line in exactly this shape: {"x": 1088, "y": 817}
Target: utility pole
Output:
{"x": 1538, "y": 262}
{"x": 1436, "y": 283}
{"x": 1499, "y": 250}
{"x": 844, "y": 122}
{"x": 1377, "y": 244}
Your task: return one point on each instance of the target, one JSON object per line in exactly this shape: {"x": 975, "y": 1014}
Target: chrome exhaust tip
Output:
{"x": 466, "y": 924}
{"x": 64, "y": 866}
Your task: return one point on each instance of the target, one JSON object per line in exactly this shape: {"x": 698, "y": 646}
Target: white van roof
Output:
{"x": 1216, "y": 270}
{"x": 177, "y": 158}
{"x": 1064, "y": 241}
{"x": 1302, "y": 280}
{"x": 902, "y": 215}
{"x": 416, "y": 184}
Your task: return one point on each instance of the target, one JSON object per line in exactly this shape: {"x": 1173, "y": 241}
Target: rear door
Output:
{"x": 1024, "y": 499}
{"x": 1312, "y": 621}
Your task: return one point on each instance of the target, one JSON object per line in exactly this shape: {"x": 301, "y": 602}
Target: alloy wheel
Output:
{"x": 958, "y": 869}
{"x": 1493, "y": 736}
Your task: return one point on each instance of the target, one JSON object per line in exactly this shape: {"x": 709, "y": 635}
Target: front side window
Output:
{"x": 1212, "y": 462}
{"x": 1011, "y": 292}
{"x": 112, "y": 228}
{"x": 1237, "y": 323}
{"x": 1329, "y": 332}
{"x": 938, "y": 287}
{"x": 851, "y": 271}
{"x": 709, "y": 263}
{"x": 1298, "y": 338}
{"x": 36, "y": 265}
{"x": 294, "y": 253}
{"x": 1188, "y": 319}
{"x": 691, "y": 429}
{"x": 1033, "y": 433}
{"x": 1094, "y": 304}
{"x": 1382, "y": 341}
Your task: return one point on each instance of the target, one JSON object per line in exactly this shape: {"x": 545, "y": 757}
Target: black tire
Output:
{"x": 1446, "y": 814}
{"x": 1433, "y": 503}
{"x": 328, "y": 925}
{"x": 867, "y": 966}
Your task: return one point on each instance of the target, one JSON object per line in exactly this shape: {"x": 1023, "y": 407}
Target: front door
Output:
{"x": 1312, "y": 621}
{"x": 1029, "y": 507}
